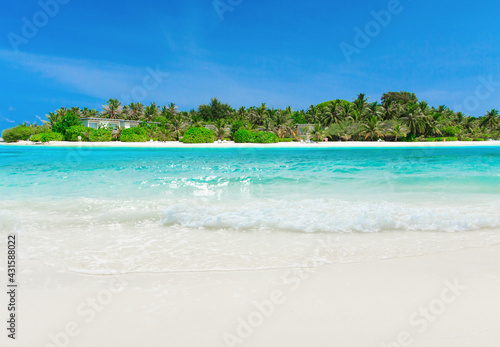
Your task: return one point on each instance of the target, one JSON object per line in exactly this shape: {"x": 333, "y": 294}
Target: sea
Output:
{"x": 95, "y": 210}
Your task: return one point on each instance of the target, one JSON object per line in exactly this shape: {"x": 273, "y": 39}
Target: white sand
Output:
{"x": 230, "y": 144}
{"x": 358, "y": 304}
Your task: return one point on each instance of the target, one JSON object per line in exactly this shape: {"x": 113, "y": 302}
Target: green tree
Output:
{"x": 372, "y": 128}
{"x": 399, "y": 131}
{"x": 136, "y": 111}
{"x": 318, "y": 132}
{"x": 414, "y": 119}
{"x": 65, "y": 122}
{"x": 333, "y": 113}
{"x": 220, "y": 128}
{"x": 151, "y": 112}
{"x": 112, "y": 109}
{"x": 490, "y": 119}
{"x": 176, "y": 126}
{"x": 401, "y": 98}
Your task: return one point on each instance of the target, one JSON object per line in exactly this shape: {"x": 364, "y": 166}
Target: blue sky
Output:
{"x": 281, "y": 53}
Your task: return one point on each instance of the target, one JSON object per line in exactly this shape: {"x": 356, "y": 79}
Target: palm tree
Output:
{"x": 313, "y": 114}
{"x": 53, "y": 118}
{"x": 360, "y": 104}
{"x": 414, "y": 119}
{"x": 151, "y": 112}
{"x": 195, "y": 120}
{"x": 393, "y": 111}
{"x": 220, "y": 128}
{"x": 257, "y": 114}
{"x": 281, "y": 118}
{"x": 460, "y": 117}
{"x": 76, "y": 111}
{"x": 372, "y": 128}
{"x": 170, "y": 111}
{"x": 177, "y": 126}
{"x": 318, "y": 132}
{"x": 136, "y": 111}
{"x": 86, "y": 113}
{"x": 399, "y": 131}
{"x": 241, "y": 113}
{"x": 112, "y": 109}
{"x": 490, "y": 119}
{"x": 267, "y": 124}
{"x": 333, "y": 113}
{"x": 376, "y": 110}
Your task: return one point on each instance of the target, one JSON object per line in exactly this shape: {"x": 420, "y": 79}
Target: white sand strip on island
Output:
{"x": 447, "y": 300}
{"x": 230, "y": 144}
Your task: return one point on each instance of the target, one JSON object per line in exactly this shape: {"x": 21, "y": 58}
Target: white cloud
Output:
{"x": 8, "y": 120}
{"x": 92, "y": 78}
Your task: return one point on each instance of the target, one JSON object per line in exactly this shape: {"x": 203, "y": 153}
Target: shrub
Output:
{"x": 286, "y": 139}
{"x": 265, "y": 137}
{"x": 247, "y": 136}
{"x": 72, "y": 133}
{"x": 409, "y": 138}
{"x": 69, "y": 120}
{"x": 18, "y": 133}
{"x": 237, "y": 125}
{"x": 135, "y": 134}
{"x": 430, "y": 140}
{"x": 243, "y": 136}
{"x": 452, "y": 139}
{"x": 450, "y": 131}
{"x": 466, "y": 139}
{"x": 479, "y": 139}
{"x": 46, "y": 137}
{"x": 101, "y": 135}
{"x": 439, "y": 139}
{"x": 198, "y": 135}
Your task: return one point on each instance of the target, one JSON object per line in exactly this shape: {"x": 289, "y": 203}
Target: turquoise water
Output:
{"x": 125, "y": 209}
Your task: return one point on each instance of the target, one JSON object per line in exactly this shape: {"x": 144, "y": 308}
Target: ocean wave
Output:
{"x": 324, "y": 215}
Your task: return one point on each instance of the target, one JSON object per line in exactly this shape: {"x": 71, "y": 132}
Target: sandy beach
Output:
{"x": 231, "y": 144}
{"x": 445, "y": 300}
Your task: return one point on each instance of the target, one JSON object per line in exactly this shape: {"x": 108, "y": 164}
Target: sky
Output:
{"x": 56, "y": 53}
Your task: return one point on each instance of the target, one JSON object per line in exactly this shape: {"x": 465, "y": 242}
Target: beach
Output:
{"x": 251, "y": 246}
{"x": 357, "y": 304}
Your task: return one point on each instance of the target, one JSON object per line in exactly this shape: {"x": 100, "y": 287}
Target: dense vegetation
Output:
{"x": 400, "y": 116}
{"x": 198, "y": 135}
{"x": 248, "y": 136}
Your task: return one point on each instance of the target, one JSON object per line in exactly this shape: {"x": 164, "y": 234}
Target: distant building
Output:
{"x": 210, "y": 127}
{"x": 96, "y": 123}
{"x": 304, "y": 129}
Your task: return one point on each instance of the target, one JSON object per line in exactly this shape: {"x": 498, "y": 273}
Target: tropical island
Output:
{"x": 399, "y": 117}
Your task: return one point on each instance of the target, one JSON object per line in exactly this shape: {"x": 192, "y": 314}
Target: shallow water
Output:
{"x": 106, "y": 210}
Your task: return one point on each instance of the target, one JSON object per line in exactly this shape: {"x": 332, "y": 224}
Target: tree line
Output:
{"x": 399, "y": 116}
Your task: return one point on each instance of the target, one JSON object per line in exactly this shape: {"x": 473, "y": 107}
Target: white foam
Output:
{"x": 326, "y": 215}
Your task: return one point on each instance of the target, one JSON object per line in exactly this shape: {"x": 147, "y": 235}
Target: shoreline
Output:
{"x": 231, "y": 144}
